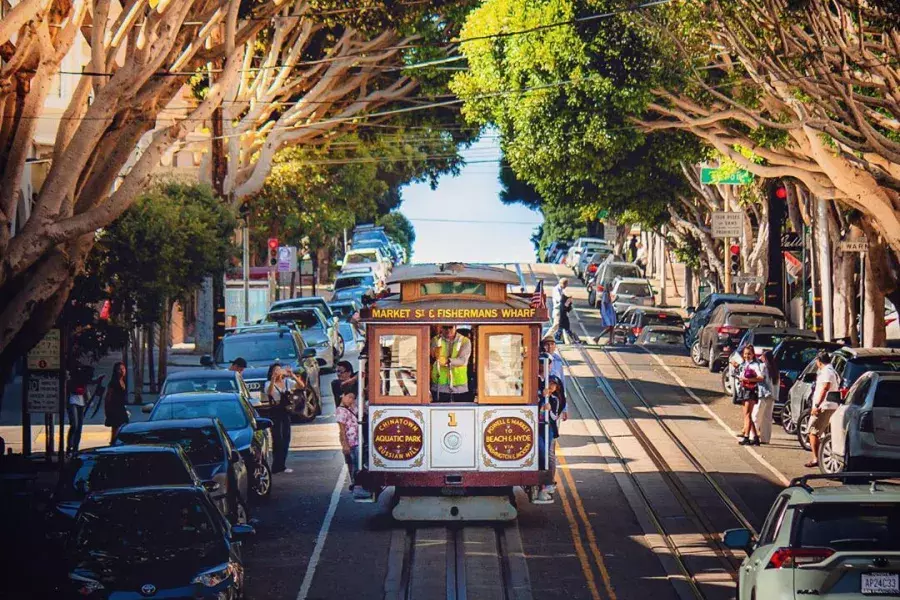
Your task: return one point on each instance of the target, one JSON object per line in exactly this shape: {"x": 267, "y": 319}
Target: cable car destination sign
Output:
{"x": 468, "y": 314}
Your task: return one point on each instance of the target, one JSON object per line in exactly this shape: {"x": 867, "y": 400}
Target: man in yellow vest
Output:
{"x": 450, "y": 352}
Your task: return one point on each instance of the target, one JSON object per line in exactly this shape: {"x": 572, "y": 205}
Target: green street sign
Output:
{"x": 602, "y": 214}
{"x": 711, "y": 176}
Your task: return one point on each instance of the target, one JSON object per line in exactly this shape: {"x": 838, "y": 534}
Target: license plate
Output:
{"x": 880, "y": 583}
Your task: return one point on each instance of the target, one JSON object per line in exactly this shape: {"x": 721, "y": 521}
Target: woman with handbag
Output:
{"x": 750, "y": 373}
{"x": 279, "y": 390}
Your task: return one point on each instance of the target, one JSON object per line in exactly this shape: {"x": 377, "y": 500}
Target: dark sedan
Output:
{"x": 211, "y": 453}
{"x": 205, "y": 380}
{"x": 247, "y": 432}
{"x": 700, "y": 315}
{"x": 145, "y": 542}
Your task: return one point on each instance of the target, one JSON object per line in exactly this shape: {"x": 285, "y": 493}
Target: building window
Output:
{"x": 399, "y": 360}
{"x": 505, "y": 373}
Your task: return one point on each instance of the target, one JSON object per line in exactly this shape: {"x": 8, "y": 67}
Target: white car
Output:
{"x": 631, "y": 290}
{"x": 362, "y": 259}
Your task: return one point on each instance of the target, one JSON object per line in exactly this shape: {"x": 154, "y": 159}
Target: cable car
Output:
{"x": 448, "y": 393}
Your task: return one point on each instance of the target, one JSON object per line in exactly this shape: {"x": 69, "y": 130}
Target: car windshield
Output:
{"x": 795, "y": 358}
{"x": 613, "y": 271}
{"x": 846, "y": 526}
{"x": 633, "y": 289}
{"x": 356, "y": 258}
{"x": 751, "y": 319}
{"x": 258, "y": 348}
{"x": 130, "y": 525}
{"x": 229, "y": 411}
{"x": 347, "y": 294}
{"x": 856, "y": 368}
{"x": 354, "y": 281}
{"x": 200, "y": 383}
{"x": 663, "y": 319}
{"x": 304, "y": 318}
{"x": 201, "y": 444}
{"x": 343, "y": 311}
{"x": 88, "y": 473}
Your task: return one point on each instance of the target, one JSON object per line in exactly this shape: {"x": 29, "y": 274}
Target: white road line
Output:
{"x": 323, "y": 534}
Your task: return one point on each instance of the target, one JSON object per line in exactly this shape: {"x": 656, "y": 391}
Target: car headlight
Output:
{"x": 86, "y": 585}
{"x": 323, "y": 344}
{"x": 215, "y": 576}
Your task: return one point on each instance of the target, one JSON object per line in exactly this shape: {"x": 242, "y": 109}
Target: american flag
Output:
{"x": 538, "y": 300}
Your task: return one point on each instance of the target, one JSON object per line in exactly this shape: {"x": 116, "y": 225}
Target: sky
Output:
{"x": 503, "y": 233}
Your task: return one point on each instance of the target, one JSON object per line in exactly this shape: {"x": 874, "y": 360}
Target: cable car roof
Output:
{"x": 453, "y": 271}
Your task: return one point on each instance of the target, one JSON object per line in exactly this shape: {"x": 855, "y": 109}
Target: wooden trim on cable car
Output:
{"x": 423, "y": 366}
{"x": 529, "y": 373}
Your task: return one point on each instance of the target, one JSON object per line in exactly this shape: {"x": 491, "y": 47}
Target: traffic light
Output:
{"x": 273, "y": 252}
{"x": 779, "y": 191}
{"x": 735, "y": 258}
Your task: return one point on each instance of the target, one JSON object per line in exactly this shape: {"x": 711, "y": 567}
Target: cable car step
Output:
{"x": 454, "y": 508}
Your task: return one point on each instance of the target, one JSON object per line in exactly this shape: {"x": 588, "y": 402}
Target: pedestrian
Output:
{"x": 768, "y": 387}
{"x": 115, "y": 405}
{"x": 633, "y": 248}
{"x": 556, "y": 370}
{"x": 75, "y": 409}
{"x": 565, "y": 327}
{"x": 238, "y": 365}
{"x": 347, "y": 417}
{"x": 750, "y": 374}
{"x": 281, "y": 382}
{"x": 607, "y": 315}
{"x": 827, "y": 380}
{"x": 345, "y": 380}
{"x": 556, "y": 307}
{"x": 641, "y": 258}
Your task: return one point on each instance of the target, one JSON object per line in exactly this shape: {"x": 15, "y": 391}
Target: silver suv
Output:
{"x": 825, "y": 543}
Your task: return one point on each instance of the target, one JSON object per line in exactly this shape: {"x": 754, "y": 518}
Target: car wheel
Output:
{"x": 787, "y": 419}
{"x": 310, "y": 408}
{"x": 262, "y": 480}
{"x": 829, "y": 462}
{"x": 339, "y": 349}
{"x": 591, "y": 298}
{"x": 697, "y": 354}
{"x": 711, "y": 363}
{"x": 240, "y": 515}
{"x": 727, "y": 382}
{"x": 803, "y": 429}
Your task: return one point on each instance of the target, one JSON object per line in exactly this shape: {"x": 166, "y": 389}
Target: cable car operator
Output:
{"x": 450, "y": 352}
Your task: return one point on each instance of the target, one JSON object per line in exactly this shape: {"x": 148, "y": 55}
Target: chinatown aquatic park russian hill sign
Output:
{"x": 397, "y": 438}
{"x": 508, "y": 438}
{"x": 468, "y": 315}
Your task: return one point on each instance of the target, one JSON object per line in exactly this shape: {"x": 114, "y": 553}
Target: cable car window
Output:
{"x": 505, "y": 374}
{"x": 399, "y": 362}
{"x": 441, "y": 288}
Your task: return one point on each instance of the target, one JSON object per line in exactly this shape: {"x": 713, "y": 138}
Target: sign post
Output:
{"x": 727, "y": 225}
{"x": 720, "y": 176}
{"x": 861, "y": 247}
{"x": 42, "y": 390}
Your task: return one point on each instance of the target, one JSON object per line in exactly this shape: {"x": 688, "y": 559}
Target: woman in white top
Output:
{"x": 762, "y": 412}
{"x": 281, "y": 384}
{"x": 750, "y": 374}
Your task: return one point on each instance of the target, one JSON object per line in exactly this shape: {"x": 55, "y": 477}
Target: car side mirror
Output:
{"x": 263, "y": 423}
{"x": 147, "y": 408}
{"x": 240, "y": 532}
{"x": 308, "y": 353}
{"x": 212, "y": 486}
{"x": 738, "y": 539}
{"x": 206, "y": 360}
{"x": 834, "y": 397}
{"x": 235, "y": 455}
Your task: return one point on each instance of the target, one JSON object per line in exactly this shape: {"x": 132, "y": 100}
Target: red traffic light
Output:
{"x": 781, "y": 192}
{"x": 273, "y": 243}
{"x": 735, "y": 249}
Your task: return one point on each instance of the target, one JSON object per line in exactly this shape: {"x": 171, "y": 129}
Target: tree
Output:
{"x": 400, "y": 229}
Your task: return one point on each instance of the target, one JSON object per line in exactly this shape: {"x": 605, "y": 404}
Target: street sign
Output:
{"x": 287, "y": 259}
{"x": 602, "y": 214}
{"x": 727, "y": 224}
{"x": 43, "y": 392}
{"x": 855, "y": 246}
{"x": 45, "y": 356}
{"x": 610, "y": 231}
{"x": 746, "y": 279}
{"x": 720, "y": 176}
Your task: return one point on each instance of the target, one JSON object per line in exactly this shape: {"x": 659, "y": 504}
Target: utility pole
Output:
{"x": 662, "y": 267}
{"x": 776, "y": 196}
{"x": 727, "y": 263}
{"x": 245, "y": 258}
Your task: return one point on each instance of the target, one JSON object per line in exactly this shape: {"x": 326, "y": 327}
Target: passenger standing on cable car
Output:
{"x": 450, "y": 353}
{"x": 548, "y": 346}
{"x": 550, "y": 409}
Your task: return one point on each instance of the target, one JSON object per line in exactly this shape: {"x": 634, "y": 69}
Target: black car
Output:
{"x": 635, "y": 320}
{"x": 111, "y": 467}
{"x": 726, "y": 326}
{"x": 310, "y": 301}
{"x": 791, "y": 357}
{"x": 205, "y": 380}
{"x": 211, "y": 453}
{"x": 146, "y": 542}
{"x": 248, "y": 433}
{"x": 263, "y": 345}
{"x": 700, "y": 315}
{"x": 355, "y": 294}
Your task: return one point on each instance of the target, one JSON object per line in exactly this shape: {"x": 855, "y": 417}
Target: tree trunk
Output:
{"x": 821, "y": 226}
{"x": 137, "y": 359}
{"x": 151, "y": 371}
{"x": 164, "y": 334}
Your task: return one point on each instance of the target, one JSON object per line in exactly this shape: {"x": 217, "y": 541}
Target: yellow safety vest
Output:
{"x": 454, "y": 376}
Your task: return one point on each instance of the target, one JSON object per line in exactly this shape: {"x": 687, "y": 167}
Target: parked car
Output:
{"x": 263, "y": 345}
{"x": 631, "y": 290}
{"x": 353, "y": 294}
{"x": 354, "y": 280}
{"x": 836, "y": 541}
{"x": 315, "y": 301}
{"x": 762, "y": 339}
{"x": 607, "y": 272}
{"x": 106, "y": 468}
{"x": 590, "y": 260}
{"x": 636, "y": 319}
{"x": 574, "y": 253}
{"x": 162, "y": 542}
{"x": 791, "y": 357}
{"x": 726, "y": 327}
{"x": 206, "y": 380}
{"x": 248, "y": 433}
{"x": 661, "y": 335}
{"x": 584, "y": 253}
{"x": 320, "y": 335}
{"x": 207, "y": 445}
{"x": 850, "y": 364}
{"x": 351, "y": 332}
{"x": 700, "y": 315}
{"x": 863, "y": 432}
{"x": 367, "y": 257}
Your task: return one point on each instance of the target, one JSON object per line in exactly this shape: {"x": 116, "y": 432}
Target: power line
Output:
{"x": 471, "y": 221}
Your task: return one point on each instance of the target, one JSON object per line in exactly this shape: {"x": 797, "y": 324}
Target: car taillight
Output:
{"x": 637, "y": 330}
{"x": 592, "y": 268}
{"x": 843, "y": 392}
{"x": 786, "y": 558}
{"x": 866, "y": 423}
{"x": 728, "y": 330}
{"x": 599, "y": 287}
